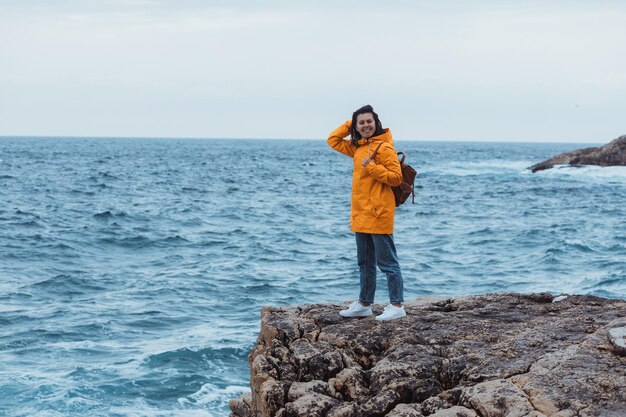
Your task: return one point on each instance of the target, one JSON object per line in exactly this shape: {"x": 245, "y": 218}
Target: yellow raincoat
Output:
{"x": 373, "y": 204}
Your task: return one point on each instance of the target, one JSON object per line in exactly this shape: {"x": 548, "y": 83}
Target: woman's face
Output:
{"x": 365, "y": 125}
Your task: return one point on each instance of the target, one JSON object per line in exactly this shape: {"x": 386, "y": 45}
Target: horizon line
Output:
{"x": 302, "y": 139}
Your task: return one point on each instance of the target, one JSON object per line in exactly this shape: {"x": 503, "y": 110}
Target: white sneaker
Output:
{"x": 391, "y": 312}
{"x": 356, "y": 309}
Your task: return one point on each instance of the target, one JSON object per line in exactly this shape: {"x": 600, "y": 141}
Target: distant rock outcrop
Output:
{"x": 495, "y": 355}
{"x": 613, "y": 153}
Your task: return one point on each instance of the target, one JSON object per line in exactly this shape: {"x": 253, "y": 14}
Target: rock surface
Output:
{"x": 617, "y": 336}
{"x": 489, "y": 356}
{"x": 613, "y": 153}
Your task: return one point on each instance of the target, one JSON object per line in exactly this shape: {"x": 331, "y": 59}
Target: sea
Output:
{"x": 133, "y": 271}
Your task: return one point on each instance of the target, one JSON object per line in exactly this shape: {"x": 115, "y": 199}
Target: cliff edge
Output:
{"x": 492, "y": 355}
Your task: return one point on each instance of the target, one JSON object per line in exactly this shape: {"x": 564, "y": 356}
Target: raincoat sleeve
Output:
{"x": 387, "y": 168}
{"x": 337, "y": 142}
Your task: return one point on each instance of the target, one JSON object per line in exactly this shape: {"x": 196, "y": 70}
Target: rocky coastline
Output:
{"x": 611, "y": 154}
{"x": 530, "y": 355}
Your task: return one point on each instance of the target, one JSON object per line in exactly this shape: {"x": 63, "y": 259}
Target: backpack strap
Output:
{"x": 376, "y": 151}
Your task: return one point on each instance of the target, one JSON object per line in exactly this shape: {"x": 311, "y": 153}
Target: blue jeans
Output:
{"x": 378, "y": 250}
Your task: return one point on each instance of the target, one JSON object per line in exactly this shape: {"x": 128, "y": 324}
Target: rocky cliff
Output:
{"x": 492, "y": 355}
{"x": 613, "y": 153}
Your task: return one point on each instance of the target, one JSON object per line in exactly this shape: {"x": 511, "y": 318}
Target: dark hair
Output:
{"x": 355, "y": 136}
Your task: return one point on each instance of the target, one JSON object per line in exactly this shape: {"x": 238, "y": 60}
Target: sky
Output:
{"x": 491, "y": 70}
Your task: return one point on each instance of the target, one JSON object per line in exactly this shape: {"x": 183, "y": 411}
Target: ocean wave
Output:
{"x": 108, "y": 214}
{"x": 145, "y": 410}
{"x": 465, "y": 168}
{"x": 214, "y": 396}
{"x": 19, "y": 212}
{"x": 589, "y": 172}
{"x": 83, "y": 192}
{"x": 108, "y": 175}
{"x": 95, "y": 351}
{"x": 29, "y": 224}
{"x": 578, "y": 245}
{"x": 143, "y": 242}
{"x": 157, "y": 321}
{"x": 200, "y": 358}
{"x": 68, "y": 285}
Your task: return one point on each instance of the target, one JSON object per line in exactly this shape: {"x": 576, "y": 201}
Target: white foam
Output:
{"x": 142, "y": 409}
{"x": 43, "y": 413}
{"x": 215, "y": 336}
{"x": 617, "y": 173}
{"x": 498, "y": 166}
{"x": 209, "y": 393}
{"x": 495, "y": 166}
{"x": 7, "y": 309}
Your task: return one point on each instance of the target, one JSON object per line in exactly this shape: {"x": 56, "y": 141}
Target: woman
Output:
{"x": 376, "y": 170}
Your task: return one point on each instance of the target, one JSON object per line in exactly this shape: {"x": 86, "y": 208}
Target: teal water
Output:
{"x": 132, "y": 271}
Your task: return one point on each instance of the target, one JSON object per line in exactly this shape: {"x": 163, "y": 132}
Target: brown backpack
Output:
{"x": 406, "y": 188}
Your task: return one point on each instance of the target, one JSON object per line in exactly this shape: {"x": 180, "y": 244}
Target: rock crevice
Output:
{"x": 489, "y": 356}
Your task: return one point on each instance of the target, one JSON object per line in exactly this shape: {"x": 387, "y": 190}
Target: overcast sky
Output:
{"x": 434, "y": 70}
